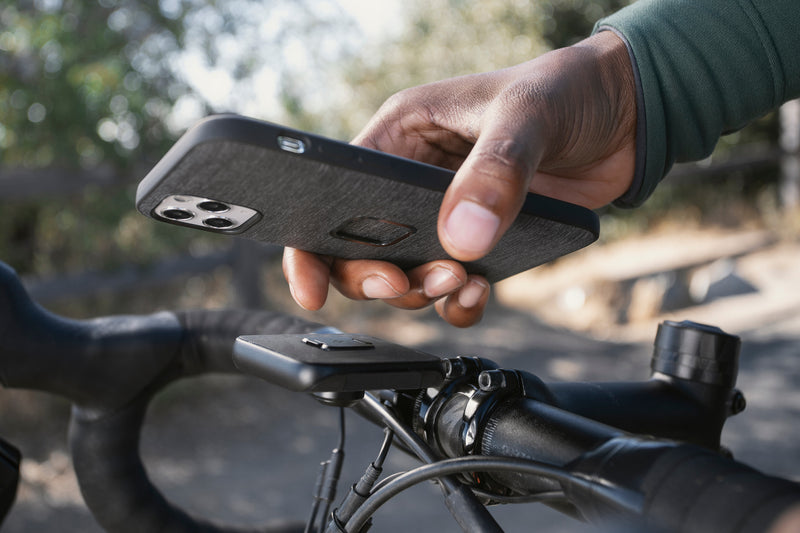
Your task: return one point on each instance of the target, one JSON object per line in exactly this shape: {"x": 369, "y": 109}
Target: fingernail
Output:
{"x": 439, "y": 282}
{"x": 471, "y": 294}
{"x": 378, "y": 288}
{"x": 471, "y": 227}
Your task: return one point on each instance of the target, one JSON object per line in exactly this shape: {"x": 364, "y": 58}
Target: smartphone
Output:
{"x": 336, "y": 362}
{"x": 239, "y": 176}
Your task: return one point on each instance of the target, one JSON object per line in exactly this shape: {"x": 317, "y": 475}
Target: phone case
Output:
{"x": 333, "y": 198}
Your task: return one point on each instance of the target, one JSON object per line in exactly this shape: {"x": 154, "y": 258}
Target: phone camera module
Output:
{"x": 218, "y": 222}
{"x": 213, "y": 207}
{"x": 206, "y": 213}
{"x": 177, "y": 214}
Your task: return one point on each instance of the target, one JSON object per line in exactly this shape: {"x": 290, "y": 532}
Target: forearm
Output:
{"x": 704, "y": 68}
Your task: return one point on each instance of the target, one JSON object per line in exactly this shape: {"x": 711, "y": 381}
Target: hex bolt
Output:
{"x": 491, "y": 380}
{"x": 454, "y": 368}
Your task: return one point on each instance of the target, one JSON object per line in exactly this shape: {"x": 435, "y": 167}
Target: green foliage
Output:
{"x": 90, "y": 87}
{"x": 565, "y": 22}
{"x": 84, "y": 83}
{"x": 447, "y": 38}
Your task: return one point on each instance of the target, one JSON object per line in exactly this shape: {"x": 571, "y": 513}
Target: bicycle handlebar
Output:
{"x": 110, "y": 368}
{"x": 682, "y": 487}
{"x": 588, "y": 429}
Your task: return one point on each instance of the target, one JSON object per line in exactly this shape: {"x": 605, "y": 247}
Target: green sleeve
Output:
{"x": 703, "y": 68}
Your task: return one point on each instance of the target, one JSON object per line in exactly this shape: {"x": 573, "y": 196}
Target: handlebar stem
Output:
{"x": 483, "y": 409}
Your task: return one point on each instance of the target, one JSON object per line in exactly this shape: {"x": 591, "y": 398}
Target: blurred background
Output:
{"x": 92, "y": 94}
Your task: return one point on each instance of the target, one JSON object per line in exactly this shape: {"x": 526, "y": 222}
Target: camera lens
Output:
{"x": 213, "y": 207}
{"x": 218, "y": 222}
{"x": 177, "y": 214}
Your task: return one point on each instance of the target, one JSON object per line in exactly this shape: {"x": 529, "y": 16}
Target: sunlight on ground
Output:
{"x": 738, "y": 280}
{"x": 52, "y": 481}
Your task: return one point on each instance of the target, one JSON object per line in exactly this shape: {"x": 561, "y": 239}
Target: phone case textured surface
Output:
{"x": 338, "y": 200}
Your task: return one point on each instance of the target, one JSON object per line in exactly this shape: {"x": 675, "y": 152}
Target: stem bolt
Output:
{"x": 491, "y": 380}
{"x": 454, "y": 368}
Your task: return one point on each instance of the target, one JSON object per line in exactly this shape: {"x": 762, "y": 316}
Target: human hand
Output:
{"x": 562, "y": 125}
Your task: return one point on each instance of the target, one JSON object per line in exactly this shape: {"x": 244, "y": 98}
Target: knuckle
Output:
{"x": 521, "y": 94}
{"x": 402, "y": 114}
{"x": 502, "y": 162}
{"x": 405, "y": 102}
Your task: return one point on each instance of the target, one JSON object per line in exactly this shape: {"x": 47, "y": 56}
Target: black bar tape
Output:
{"x": 105, "y": 442}
{"x": 691, "y": 490}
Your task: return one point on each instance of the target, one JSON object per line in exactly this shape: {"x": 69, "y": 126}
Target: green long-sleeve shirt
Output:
{"x": 703, "y": 68}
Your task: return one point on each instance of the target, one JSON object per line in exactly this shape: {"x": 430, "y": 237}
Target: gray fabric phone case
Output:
{"x": 336, "y": 199}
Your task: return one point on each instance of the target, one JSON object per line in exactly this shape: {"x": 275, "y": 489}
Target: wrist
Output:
{"x": 619, "y": 56}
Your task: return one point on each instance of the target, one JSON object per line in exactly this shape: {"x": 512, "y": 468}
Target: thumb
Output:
{"x": 489, "y": 188}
